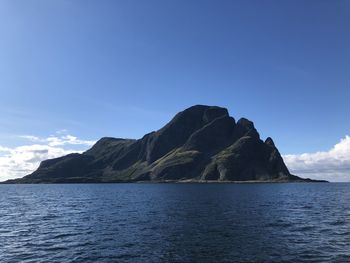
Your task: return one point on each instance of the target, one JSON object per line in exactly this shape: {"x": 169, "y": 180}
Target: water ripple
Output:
{"x": 175, "y": 223}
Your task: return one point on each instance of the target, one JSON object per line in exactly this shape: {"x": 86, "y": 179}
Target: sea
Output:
{"x": 264, "y": 222}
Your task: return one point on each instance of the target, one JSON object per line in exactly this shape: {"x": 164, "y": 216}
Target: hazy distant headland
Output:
{"x": 200, "y": 144}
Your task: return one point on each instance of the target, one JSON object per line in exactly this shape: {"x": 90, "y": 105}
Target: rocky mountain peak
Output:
{"x": 199, "y": 143}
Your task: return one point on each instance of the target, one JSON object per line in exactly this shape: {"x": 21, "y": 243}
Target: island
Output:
{"x": 200, "y": 144}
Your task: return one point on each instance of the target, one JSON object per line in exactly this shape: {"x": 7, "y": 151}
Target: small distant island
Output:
{"x": 200, "y": 144}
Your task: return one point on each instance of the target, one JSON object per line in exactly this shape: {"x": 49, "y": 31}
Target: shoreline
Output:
{"x": 169, "y": 182}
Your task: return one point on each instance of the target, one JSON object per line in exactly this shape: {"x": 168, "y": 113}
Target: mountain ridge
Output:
{"x": 200, "y": 144}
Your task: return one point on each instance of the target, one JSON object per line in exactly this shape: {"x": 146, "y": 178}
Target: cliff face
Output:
{"x": 200, "y": 143}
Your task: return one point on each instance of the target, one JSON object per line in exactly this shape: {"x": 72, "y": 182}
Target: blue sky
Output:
{"x": 124, "y": 68}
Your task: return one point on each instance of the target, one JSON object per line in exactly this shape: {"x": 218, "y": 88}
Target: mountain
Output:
{"x": 201, "y": 143}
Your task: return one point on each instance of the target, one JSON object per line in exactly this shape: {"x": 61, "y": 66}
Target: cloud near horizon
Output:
{"x": 22, "y": 160}
{"x": 332, "y": 165}
{"x": 61, "y": 140}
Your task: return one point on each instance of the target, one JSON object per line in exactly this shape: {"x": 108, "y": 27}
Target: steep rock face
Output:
{"x": 199, "y": 143}
{"x": 213, "y": 136}
{"x": 180, "y": 128}
{"x": 247, "y": 159}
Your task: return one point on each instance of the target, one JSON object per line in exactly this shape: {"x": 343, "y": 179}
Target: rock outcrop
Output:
{"x": 200, "y": 144}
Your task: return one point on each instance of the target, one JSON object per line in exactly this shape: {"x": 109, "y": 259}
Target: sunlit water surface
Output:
{"x": 299, "y": 222}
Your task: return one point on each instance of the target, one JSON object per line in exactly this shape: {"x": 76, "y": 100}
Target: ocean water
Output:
{"x": 296, "y": 222}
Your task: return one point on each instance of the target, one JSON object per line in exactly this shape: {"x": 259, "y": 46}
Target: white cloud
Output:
{"x": 332, "y": 165}
{"x": 22, "y": 160}
{"x": 59, "y": 140}
{"x": 4, "y": 149}
{"x": 30, "y": 137}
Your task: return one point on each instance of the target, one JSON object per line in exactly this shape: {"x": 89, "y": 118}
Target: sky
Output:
{"x": 72, "y": 72}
